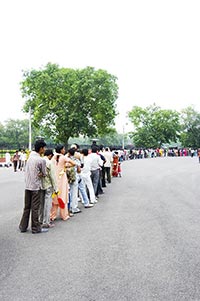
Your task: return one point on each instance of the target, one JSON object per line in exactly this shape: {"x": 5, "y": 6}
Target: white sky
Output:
{"x": 152, "y": 46}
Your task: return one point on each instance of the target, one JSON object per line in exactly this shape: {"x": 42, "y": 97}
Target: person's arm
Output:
{"x": 70, "y": 163}
{"x": 43, "y": 171}
{"x": 53, "y": 177}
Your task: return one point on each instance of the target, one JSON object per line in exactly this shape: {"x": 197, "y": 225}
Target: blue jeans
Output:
{"x": 74, "y": 195}
{"x": 83, "y": 191}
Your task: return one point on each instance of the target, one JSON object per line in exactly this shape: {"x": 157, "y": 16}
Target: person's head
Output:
{"x": 60, "y": 149}
{"x": 71, "y": 152}
{"x": 40, "y": 146}
{"x": 94, "y": 149}
{"x": 48, "y": 153}
{"x": 84, "y": 151}
{"x": 106, "y": 149}
{"x": 101, "y": 147}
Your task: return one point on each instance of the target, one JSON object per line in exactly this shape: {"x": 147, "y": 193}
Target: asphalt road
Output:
{"x": 141, "y": 241}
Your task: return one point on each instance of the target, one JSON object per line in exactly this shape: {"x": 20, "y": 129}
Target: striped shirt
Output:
{"x": 35, "y": 169}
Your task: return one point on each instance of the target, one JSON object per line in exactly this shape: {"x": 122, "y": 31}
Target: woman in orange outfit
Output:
{"x": 60, "y": 201}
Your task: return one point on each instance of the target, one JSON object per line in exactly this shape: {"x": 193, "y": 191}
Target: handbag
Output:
{"x": 71, "y": 175}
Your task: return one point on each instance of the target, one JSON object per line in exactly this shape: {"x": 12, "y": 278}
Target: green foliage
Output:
{"x": 67, "y": 103}
{"x": 190, "y": 125}
{"x": 15, "y": 134}
{"x": 154, "y": 126}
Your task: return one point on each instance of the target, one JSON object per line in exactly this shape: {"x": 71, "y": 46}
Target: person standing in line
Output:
{"x": 115, "y": 164}
{"x": 107, "y": 166}
{"x": 61, "y": 162}
{"x": 86, "y": 175}
{"x": 49, "y": 186}
{"x": 73, "y": 183}
{"x": 78, "y": 185}
{"x": 35, "y": 170}
{"x": 102, "y": 182}
{"x": 96, "y": 162}
{"x": 15, "y": 160}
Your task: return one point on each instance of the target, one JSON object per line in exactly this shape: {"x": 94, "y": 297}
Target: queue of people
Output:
{"x": 162, "y": 152}
{"x": 55, "y": 182}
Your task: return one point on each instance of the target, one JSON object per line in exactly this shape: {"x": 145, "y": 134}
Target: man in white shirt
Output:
{"x": 96, "y": 162}
{"x": 107, "y": 166}
{"x": 86, "y": 175}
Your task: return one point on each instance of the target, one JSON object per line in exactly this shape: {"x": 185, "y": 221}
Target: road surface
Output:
{"x": 141, "y": 241}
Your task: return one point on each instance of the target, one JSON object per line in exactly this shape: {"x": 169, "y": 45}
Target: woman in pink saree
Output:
{"x": 60, "y": 201}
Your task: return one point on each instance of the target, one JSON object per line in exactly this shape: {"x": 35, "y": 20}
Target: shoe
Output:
{"x": 43, "y": 230}
{"x": 95, "y": 201}
{"x": 45, "y": 226}
{"x": 22, "y": 230}
{"x": 51, "y": 225}
{"x": 77, "y": 210}
{"x": 68, "y": 217}
{"x": 89, "y": 206}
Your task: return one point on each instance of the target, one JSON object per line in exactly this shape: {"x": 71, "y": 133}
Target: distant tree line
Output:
{"x": 154, "y": 126}
{"x": 14, "y": 134}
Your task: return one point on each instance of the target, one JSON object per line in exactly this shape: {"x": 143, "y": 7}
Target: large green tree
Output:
{"x": 154, "y": 126}
{"x": 190, "y": 122}
{"x": 68, "y": 102}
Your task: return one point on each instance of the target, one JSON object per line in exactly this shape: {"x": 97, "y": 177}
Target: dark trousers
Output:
{"x": 31, "y": 205}
{"x": 103, "y": 179}
{"x": 95, "y": 179}
{"x": 15, "y": 165}
{"x": 106, "y": 175}
{"x": 99, "y": 187}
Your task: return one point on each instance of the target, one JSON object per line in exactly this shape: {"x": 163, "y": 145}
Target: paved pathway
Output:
{"x": 140, "y": 242}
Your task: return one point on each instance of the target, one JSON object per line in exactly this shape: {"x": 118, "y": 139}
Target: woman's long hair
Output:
{"x": 58, "y": 149}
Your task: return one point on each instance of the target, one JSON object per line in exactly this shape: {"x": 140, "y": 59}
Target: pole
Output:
{"x": 30, "y": 139}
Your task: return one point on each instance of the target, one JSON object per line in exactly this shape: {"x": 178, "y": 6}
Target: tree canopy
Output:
{"x": 154, "y": 126}
{"x": 70, "y": 102}
{"x": 190, "y": 125}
